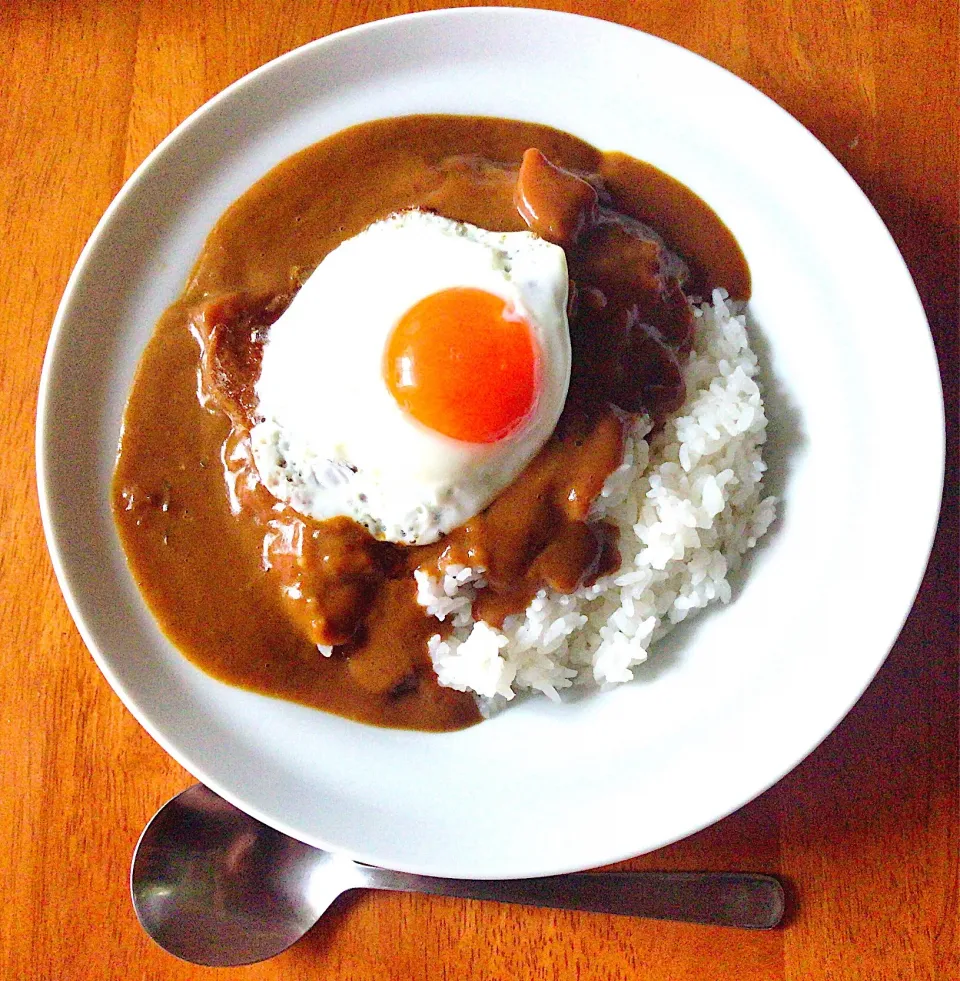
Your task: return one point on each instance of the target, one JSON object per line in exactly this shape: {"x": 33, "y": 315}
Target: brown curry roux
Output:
{"x": 246, "y": 587}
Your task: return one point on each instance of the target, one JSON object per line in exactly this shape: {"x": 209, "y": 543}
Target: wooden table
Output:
{"x": 864, "y": 832}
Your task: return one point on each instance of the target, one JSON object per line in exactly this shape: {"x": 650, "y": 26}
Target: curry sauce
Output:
{"x": 246, "y": 587}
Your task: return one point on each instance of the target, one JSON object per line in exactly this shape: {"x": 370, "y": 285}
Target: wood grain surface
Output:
{"x": 865, "y": 831}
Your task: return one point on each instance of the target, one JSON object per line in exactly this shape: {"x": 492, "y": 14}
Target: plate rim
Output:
{"x": 62, "y": 316}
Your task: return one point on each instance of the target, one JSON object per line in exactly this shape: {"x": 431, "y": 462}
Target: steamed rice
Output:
{"x": 688, "y": 502}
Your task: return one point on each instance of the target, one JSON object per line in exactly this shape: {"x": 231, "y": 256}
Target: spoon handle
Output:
{"x": 738, "y": 899}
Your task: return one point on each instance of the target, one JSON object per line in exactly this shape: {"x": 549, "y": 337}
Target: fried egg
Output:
{"x": 419, "y": 369}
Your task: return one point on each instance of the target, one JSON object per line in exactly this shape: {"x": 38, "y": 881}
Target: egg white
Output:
{"x": 332, "y": 439}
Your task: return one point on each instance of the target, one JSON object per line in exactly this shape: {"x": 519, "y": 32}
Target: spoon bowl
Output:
{"x": 214, "y": 886}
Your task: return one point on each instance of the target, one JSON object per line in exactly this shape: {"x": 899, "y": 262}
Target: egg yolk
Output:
{"x": 461, "y": 364}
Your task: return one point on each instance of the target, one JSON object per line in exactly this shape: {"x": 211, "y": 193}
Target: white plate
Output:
{"x": 728, "y": 704}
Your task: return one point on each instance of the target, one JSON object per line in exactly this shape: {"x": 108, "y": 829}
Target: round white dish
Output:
{"x": 730, "y": 702}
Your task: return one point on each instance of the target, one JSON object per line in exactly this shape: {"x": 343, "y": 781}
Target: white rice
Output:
{"x": 688, "y": 504}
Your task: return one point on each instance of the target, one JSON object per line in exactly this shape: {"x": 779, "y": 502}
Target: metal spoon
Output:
{"x": 214, "y": 886}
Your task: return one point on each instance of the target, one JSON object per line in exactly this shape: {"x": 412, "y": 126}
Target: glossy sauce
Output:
{"x": 246, "y": 587}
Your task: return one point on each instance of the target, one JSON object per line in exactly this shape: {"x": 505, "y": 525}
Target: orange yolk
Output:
{"x": 458, "y": 365}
